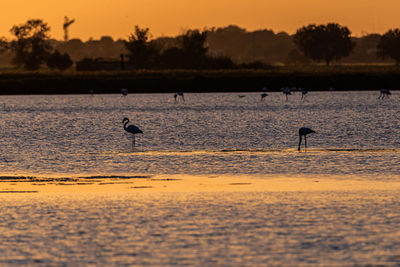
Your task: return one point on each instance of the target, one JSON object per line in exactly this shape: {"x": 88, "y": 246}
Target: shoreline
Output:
{"x": 171, "y": 81}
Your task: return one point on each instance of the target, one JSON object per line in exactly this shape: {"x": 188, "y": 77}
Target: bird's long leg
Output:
{"x": 133, "y": 142}
{"x": 287, "y": 97}
{"x": 299, "y": 142}
{"x": 305, "y": 143}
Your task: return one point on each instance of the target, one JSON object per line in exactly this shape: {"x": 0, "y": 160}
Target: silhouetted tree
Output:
{"x": 193, "y": 43}
{"x": 193, "y": 48}
{"x": 142, "y": 52}
{"x": 31, "y": 46}
{"x": 324, "y": 42}
{"x": 190, "y": 52}
{"x": 59, "y": 61}
{"x": 389, "y": 45}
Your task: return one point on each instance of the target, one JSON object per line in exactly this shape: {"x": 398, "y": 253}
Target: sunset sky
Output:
{"x": 117, "y": 18}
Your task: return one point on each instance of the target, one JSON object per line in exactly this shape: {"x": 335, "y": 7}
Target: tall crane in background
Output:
{"x": 67, "y": 23}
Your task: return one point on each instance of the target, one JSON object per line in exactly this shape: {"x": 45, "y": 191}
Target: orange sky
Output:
{"x": 117, "y": 18}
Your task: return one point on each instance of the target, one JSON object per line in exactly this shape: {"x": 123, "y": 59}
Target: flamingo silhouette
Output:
{"x": 286, "y": 91}
{"x": 303, "y": 131}
{"x": 180, "y": 93}
{"x": 124, "y": 91}
{"x": 131, "y": 129}
{"x": 263, "y": 96}
{"x": 303, "y": 93}
{"x": 383, "y": 93}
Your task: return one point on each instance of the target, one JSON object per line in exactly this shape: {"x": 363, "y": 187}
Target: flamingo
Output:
{"x": 286, "y": 91}
{"x": 180, "y": 93}
{"x": 263, "y": 95}
{"x": 124, "y": 91}
{"x": 303, "y": 93}
{"x": 383, "y": 93}
{"x": 303, "y": 131}
{"x": 131, "y": 129}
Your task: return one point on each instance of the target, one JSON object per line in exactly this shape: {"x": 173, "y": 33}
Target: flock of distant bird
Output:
{"x": 303, "y": 131}
{"x": 287, "y": 91}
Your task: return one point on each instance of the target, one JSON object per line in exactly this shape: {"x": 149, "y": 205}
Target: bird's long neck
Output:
{"x": 299, "y": 142}
{"x": 125, "y": 124}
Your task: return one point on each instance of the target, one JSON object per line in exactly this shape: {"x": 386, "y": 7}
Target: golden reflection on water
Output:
{"x": 188, "y": 184}
{"x": 170, "y": 220}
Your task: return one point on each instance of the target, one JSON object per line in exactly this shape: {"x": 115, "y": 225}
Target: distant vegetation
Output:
{"x": 229, "y": 47}
{"x": 389, "y": 45}
{"x": 329, "y": 42}
{"x": 171, "y": 81}
{"x": 31, "y": 45}
{"x": 59, "y": 61}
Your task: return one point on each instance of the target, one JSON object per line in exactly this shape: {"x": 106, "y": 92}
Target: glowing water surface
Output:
{"x": 214, "y": 181}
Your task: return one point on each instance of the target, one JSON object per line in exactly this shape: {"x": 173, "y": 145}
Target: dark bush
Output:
{"x": 255, "y": 65}
{"x": 56, "y": 60}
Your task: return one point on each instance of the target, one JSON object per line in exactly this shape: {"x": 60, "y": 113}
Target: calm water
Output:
{"x": 210, "y": 229}
{"x": 209, "y": 134}
{"x": 357, "y": 134}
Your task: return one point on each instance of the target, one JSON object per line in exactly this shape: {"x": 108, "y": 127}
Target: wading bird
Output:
{"x": 124, "y": 91}
{"x": 303, "y": 93}
{"x": 286, "y": 91}
{"x": 180, "y": 93}
{"x": 303, "y": 131}
{"x": 131, "y": 129}
{"x": 263, "y": 96}
{"x": 383, "y": 93}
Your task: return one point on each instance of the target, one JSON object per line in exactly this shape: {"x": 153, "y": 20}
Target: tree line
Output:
{"x": 31, "y": 48}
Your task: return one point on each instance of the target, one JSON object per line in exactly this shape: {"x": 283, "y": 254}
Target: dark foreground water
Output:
{"x": 208, "y": 135}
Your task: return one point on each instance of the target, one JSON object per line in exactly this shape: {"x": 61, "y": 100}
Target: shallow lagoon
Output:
{"x": 357, "y": 134}
{"x": 214, "y": 180}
